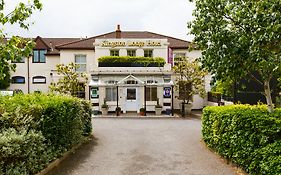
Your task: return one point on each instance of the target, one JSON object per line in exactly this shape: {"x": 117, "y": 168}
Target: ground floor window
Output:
{"x": 111, "y": 94}
{"x": 39, "y": 80}
{"x": 18, "y": 80}
{"x": 151, "y": 93}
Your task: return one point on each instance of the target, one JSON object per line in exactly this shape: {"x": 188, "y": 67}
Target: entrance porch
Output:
{"x": 131, "y": 93}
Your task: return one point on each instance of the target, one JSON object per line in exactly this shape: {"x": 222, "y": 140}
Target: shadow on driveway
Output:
{"x": 75, "y": 159}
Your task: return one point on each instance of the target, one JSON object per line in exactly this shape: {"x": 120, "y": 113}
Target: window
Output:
{"x": 131, "y": 82}
{"x": 18, "y": 80}
{"x": 131, "y": 94}
{"x": 131, "y": 53}
{"x": 114, "y": 52}
{"x": 39, "y": 56}
{"x": 39, "y": 80}
{"x": 111, "y": 82}
{"x": 167, "y": 78}
{"x": 111, "y": 94}
{"x": 80, "y": 62}
{"x": 148, "y": 53}
{"x": 179, "y": 57}
{"x": 151, "y": 93}
{"x": 21, "y": 60}
{"x": 95, "y": 78}
{"x": 94, "y": 92}
{"x": 151, "y": 81}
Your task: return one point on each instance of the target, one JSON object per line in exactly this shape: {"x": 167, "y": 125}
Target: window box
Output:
{"x": 130, "y": 61}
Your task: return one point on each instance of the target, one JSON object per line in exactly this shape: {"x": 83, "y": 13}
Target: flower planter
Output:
{"x": 158, "y": 111}
{"x": 187, "y": 108}
{"x": 104, "y": 111}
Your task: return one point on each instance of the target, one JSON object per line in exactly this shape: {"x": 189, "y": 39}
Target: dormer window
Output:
{"x": 39, "y": 56}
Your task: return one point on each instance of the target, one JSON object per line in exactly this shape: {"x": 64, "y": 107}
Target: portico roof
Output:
{"x": 130, "y": 77}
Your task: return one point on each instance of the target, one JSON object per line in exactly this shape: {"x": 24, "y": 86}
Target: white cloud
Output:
{"x": 68, "y": 18}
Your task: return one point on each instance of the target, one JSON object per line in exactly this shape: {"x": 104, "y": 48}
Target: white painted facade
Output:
{"x": 100, "y": 77}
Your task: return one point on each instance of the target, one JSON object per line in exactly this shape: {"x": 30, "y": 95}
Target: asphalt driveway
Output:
{"x": 144, "y": 147}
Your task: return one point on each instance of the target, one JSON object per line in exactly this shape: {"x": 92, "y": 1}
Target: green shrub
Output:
{"x": 237, "y": 132}
{"x": 145, "y": 61}
{"x": 267, "y": 160}
{"x": 62, "y": 121}
{"x": 22, "y": 152}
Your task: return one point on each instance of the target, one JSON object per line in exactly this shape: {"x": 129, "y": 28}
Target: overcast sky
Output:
{"x": 80, "y": 18}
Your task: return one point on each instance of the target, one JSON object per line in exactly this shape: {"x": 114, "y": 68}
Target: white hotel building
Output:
{"x": 130, "y": 88}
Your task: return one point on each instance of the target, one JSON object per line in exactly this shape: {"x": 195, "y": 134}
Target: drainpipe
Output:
{"x": 172, "y": 96}
{"x": 89, "y": 93}
{"x": 145, "y": 100}
{"x": 117, "y": 96}
{"x": 28, "y": 76}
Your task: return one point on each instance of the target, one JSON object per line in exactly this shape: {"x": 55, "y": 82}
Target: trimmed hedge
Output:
{"x": 246, "y": 135}
{"x": 130, "y": 61}
{"x": 36, "y": 129}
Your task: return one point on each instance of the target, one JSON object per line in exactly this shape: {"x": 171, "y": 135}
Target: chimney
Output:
{"x": 118, "y": 32}
{"x": 51, "y": 44}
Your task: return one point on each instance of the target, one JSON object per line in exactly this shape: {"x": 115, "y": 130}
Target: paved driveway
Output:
{"x": 144, "y": 147}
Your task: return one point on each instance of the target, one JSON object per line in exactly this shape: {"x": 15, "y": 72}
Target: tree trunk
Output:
{"x": 268, "y": 96}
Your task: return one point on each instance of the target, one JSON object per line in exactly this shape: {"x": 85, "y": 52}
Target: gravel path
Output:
{"x": 144, "y": 147}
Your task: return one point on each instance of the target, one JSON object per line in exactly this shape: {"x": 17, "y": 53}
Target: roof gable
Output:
{"x": 40, "y": 44}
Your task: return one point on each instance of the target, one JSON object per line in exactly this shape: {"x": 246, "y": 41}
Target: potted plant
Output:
{"x": 142, "y": 111}
{"x": 118, "y": 111}
{"x": 190, "y": 81}
{"x": 104, "y": 108}
{"x": 158, "y": 108}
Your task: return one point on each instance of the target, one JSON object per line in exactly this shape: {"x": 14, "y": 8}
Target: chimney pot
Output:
{"x": 118, "y": 31}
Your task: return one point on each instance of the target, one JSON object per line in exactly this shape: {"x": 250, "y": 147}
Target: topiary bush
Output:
{"x": 58, "y": 122}
{"x": 239, "y": 132}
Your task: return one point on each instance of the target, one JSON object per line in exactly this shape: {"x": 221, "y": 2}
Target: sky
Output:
{"x": 81, "y": 18}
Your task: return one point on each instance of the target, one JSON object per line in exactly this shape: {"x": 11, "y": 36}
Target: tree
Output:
{"x": 191, "y": 79}
{"x": 14, "y": 48}
{"x": 72, "y": 81}
{"x": 240, "y": 38}
{"x": 224, "y": 87}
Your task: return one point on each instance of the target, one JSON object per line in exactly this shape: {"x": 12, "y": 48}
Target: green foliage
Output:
{"x": 244, "y": 134}
{"x": 142, "y": 109}
{"x": 145, "y": 61}
{"x": 191, "y": 79}
{"x": 224, "y": 87}
{"x": 267, "y": 160}
{"x": 238, "y": 38}
{"x": 5, "y": 82}
{"x": 59, "y": 122}
{"x": 14, "y": 48}
{"x": 104, "y": 105}
{"x": 22, "y": 152}
{"x": 72, "y": 81}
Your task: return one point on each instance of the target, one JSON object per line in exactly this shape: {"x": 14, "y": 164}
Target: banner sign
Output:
{"x": 167, "y": 92}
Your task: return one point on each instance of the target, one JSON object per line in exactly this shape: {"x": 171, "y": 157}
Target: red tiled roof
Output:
{"x": 88, "y": 42}
{"x": 51, "y": 44}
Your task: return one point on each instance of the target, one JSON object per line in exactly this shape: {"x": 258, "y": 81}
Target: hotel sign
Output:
{"x": 130, "y": 43}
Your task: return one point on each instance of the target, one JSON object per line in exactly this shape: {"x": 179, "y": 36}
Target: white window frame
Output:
{"x": 39, "y": 80}
{"x": 82, "y": 66}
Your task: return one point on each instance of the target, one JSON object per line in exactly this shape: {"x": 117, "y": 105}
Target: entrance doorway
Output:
{"x": 132, "y": 99}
